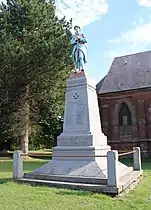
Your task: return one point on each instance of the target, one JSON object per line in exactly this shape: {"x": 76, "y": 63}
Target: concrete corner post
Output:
{"x": 17, "y": 165}
{"x": 112, "y": 168}
{"x": 137, "y": 159}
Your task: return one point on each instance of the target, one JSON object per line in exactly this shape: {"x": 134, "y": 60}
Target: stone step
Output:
{"x": 74, "y": 186}
{"x": 73, "y": 179}
{"x": 126, "y": 180}
{"x": 125, "y": 171}
{"x": 88, "y": 180}
{"x": 124, "y": 183}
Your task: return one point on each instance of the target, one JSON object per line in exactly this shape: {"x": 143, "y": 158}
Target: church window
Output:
{"x": 125, "y": 120}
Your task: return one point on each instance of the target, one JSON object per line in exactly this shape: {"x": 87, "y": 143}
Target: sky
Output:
{"x": 113, "y": 28}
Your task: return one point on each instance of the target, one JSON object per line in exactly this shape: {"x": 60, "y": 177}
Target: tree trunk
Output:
{"x": 25, "y": 121}
{"x": 24, "y": 142}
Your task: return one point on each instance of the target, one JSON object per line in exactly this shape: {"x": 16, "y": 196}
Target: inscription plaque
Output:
{"x": 75, "y": 113}
{"x": 75, "y": 110}
{"x": 75, "y": 140}
{"x": 77, "y": 82}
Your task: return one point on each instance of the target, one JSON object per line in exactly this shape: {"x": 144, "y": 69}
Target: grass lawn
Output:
{"x": 17, "y": 197}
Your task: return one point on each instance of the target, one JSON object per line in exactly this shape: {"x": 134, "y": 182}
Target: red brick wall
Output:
{"x": 140, "y": 107}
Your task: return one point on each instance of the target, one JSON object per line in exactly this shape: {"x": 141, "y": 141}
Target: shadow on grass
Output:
{"x": 32, "y": 165}
{"x": 5, "y": 180}
{"x": 146, "y": 163}
{"x": 73, "y": 193}
{"x": 7, "y": 165}
{"x": 82, "y": 193}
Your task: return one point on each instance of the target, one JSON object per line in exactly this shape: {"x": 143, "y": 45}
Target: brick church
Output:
{"x": 124, "y": 96}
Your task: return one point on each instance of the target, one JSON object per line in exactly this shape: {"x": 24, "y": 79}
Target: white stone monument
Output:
{"x": 82, "y": 148}
{"x": 82, "y": 133}
{"x": 82, "y": 159}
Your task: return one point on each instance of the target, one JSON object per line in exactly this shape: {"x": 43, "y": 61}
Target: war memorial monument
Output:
{"x": 82, "y": 159}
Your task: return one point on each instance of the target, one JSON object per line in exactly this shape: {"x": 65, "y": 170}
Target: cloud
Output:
{"x": 131, "y": 41}
{"x": 145, "y": 3}
{"x": 139, "y": 35}
{"x": 118, "y": 52}
{"x": 83, "y": 12}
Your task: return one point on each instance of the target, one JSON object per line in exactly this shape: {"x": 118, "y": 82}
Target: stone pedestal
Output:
{"x": 82, "y": 159}
{"x": 82, "y": 133}
{"x": 82, "y": 140}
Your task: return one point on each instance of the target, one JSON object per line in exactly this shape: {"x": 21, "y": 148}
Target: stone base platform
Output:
{"x": 81, "y": 175}
{"x": 86, "y": 184}
{"x": 78, "y": 168}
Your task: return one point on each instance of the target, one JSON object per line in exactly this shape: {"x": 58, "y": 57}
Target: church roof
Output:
{"x": 99, "y": 84}
{"x": 129, "y": 72}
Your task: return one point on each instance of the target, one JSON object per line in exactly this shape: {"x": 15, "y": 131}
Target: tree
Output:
{"x": 34, "y": 56}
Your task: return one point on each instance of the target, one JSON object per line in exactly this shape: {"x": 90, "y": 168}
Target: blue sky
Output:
{"x": 112, "y": 27}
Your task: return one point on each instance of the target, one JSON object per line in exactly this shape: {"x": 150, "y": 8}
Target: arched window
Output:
{"x": 125, "y": 120}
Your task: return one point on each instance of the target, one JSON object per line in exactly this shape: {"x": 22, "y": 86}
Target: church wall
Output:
{"x": 139, "y": 104}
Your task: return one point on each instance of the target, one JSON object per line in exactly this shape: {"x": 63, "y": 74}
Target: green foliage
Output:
{"x": 34, "y": 63}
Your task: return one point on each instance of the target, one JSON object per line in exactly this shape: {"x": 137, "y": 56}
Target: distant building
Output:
{"x": 124, "y": 96}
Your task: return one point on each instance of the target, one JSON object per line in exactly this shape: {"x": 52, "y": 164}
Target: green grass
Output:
{"x": 15, "y": 196}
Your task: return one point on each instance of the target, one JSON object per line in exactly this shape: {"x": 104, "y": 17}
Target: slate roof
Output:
{"x": 99, "y": 85}
{"x": 128, "y": 72}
